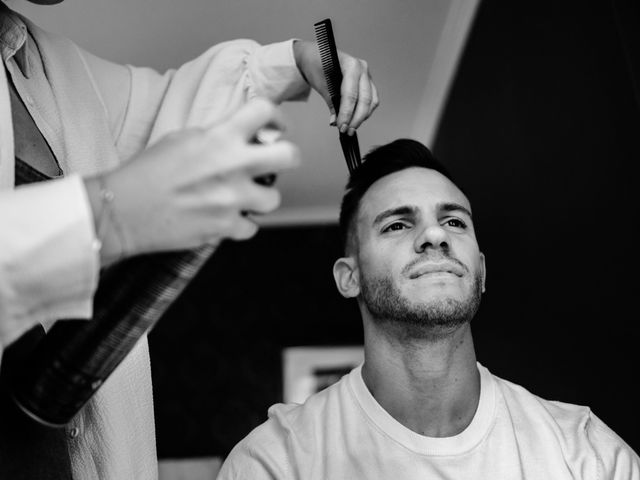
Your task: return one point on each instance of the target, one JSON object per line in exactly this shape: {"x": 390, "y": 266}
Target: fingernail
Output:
{"x": 351, "y": 132}
{"x": 343, "y": 128}
{"x": 268, "y": 135}
{"x": 332, "y": 120}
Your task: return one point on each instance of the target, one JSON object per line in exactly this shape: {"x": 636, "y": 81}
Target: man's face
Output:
{"x": 416, "y": 259}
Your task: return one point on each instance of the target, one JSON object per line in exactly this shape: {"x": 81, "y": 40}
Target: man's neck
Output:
{"x": 430, "y": 386}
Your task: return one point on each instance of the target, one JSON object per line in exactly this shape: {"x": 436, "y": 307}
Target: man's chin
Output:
{"x": 437, "y": 298}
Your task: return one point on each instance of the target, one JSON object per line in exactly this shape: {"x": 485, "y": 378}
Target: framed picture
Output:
{"x": 308, "y": 370}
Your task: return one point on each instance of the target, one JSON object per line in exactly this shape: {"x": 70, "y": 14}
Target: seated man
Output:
{"x": 420, "y": 406}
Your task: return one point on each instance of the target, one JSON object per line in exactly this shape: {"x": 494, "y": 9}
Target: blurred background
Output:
{"x": 534, "y": 107}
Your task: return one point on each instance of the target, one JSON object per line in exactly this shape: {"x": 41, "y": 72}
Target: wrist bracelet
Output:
{"x": 108, "y": 216}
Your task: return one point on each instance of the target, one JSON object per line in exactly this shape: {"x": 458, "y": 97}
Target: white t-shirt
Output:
{"x": 343, "y": 433}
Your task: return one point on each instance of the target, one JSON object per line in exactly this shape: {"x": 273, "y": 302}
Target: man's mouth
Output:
{"x": 428, "y": 268}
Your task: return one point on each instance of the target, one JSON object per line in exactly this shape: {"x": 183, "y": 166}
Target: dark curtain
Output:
{"x": 542, "y": 127}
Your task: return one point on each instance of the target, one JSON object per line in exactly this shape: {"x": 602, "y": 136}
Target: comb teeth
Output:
{"x": 329, "y": 60}
{"x": 333, "y": 75}
{"x": 351, "y": 151}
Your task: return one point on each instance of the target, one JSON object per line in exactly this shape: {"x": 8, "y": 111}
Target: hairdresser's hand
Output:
{"x": 359, "y": 96}
{"x": 193, "y": 187}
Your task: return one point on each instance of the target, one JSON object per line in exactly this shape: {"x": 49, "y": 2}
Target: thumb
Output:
{"x": 332, "y": 111}
{"x": 332, "y": 117}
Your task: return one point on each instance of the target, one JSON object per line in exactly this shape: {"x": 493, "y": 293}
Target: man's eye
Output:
{"x": 456, "y": 223}
{"x": 394, "y": 227}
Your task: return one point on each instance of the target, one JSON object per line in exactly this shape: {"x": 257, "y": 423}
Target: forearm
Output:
{"x": 207, "y": 90}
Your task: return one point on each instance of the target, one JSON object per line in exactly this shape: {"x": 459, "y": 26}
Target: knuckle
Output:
{"x": 351, "y": 97}
{"x": 365, "y": 99}
{"x": 225, "y": 198}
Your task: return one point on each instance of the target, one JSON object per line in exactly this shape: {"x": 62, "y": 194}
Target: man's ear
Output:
{"x": 346, "y": 275}
{"x": 484, "y": 272}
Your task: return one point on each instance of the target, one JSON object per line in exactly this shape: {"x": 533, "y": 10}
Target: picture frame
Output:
{"x": 308, "y": 370}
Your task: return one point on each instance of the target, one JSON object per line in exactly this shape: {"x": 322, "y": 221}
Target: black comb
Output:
{"x": 333, "y": 75}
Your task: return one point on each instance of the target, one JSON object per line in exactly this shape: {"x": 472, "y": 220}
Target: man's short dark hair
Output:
{"x": 379, "y": 162}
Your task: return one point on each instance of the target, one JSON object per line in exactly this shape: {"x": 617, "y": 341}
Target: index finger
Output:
{"x": 270, "y": 159}
{"x": 363, "y": 107}
{"x": 349, "y": 92}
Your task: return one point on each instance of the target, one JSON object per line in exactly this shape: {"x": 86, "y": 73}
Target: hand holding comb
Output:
{"x": 333, "y": 75}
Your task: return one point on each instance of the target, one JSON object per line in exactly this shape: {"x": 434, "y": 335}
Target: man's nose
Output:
{"x": 432, "y": 236}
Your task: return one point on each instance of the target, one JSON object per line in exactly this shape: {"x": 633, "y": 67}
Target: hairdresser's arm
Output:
{"x": 190, "y": 188}
{"x": 143, "y": 104}
{"x": 48, "y": 263}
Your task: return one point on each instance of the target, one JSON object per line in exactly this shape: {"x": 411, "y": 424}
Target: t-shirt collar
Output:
{"x": 458, "y": 444}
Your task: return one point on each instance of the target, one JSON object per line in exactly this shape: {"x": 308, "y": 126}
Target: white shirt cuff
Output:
{"x": 49, "y": 263}
{"x": 275, "y": 73}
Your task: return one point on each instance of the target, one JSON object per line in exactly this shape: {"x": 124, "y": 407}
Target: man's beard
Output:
{"x": 430, "y": 320}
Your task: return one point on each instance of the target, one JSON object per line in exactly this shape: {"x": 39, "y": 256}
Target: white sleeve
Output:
{"x": 49, "y": 262}
{"x": 616, "y": 459}
{"x": 207, "y": 89}
{"x": 264, "y": 454}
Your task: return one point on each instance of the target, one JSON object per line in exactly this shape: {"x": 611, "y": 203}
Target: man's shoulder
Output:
{"x": 277, "y": 446}
{"x": 301, "y": 419}
{"x": 315, "y": 411}
{"x": 519, "y": 399}
{"x": 575, "y": 428}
